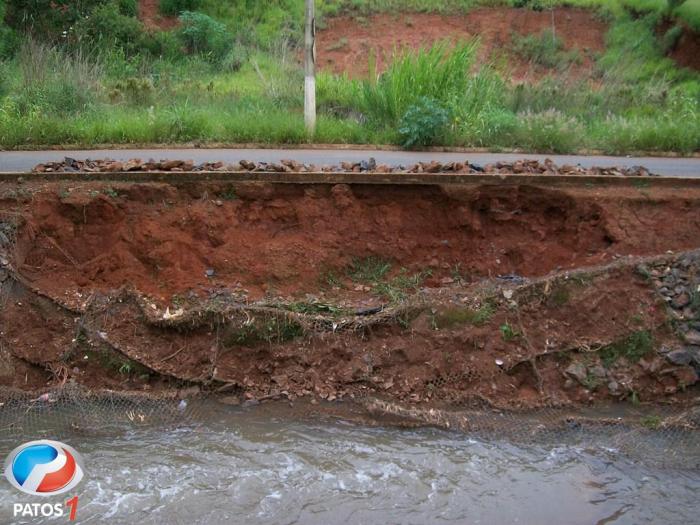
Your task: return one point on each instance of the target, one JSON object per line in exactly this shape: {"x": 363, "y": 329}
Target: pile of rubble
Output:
{"x": 533, "y": 167}
{"x": 679, "y": 285}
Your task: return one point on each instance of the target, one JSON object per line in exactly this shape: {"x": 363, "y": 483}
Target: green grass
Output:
{"x": 266, "y": 330}
{"x": 508, "y": 333}
{"x": 458, "y": 316}
{"x": 545, "y": 49}
{"x": 400, "y": 287}
{"x": 690, "y": 13}
{"x": 633, "y": 348}
{"x": 652, "y": 422}
{"x": 370, "y": 269}
{"x": 638, "y": 101}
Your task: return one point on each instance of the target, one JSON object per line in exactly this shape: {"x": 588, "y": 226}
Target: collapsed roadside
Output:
{"x": 517, "y": 297}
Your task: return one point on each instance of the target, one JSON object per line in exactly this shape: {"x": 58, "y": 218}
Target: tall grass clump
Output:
{"x": 54, "y": 81}
{"x": 439, "y": 73}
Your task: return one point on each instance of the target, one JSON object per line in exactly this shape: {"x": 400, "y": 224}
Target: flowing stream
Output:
{"x": 266, "y": 465}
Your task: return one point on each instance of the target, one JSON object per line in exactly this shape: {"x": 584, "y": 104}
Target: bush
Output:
{"x": 175, "y": 7}
{"x": 165, "y": 44}
{"x": 9, "y": 42}
{"x": 201, "y": 34}
{"x": 128, "y": 7}
{"x": 136, "y": 91}
{"x": 424, "y": 123}
{"x": 47, "y": 18}
{"x": 235, "y": 58}
{"x": 106, "y": 24}
{"x": 545, "y": 49}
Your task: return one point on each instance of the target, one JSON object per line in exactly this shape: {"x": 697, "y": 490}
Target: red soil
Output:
{"x": 150, "y": 15}
{"x": 686, "y": 52}
{"x": 282, "y": 239}
{"x": 79, "y": 242}
{"x": 344, "y": 45}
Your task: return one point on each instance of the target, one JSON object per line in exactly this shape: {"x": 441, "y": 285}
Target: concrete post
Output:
{"x": 310, "y": 69}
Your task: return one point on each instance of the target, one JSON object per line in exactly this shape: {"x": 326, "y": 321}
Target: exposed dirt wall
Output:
{"x": 473, "y": 293}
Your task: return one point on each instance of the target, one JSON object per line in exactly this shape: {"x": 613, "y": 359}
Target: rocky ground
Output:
{"x": 525, "y": 166}
{"x": 517, "y": 297}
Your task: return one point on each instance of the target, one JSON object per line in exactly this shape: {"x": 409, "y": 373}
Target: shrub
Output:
{"x": 424, "y": 123}
{"x": 128, "y": 7}
{"x": 201, "y": 34}
{"x": 136, "y": 91}
{"x": 175, "y": 7}
{"x": 164, "y": 44}
{"x": 106, "y": 24}
{"x": 9, "y": 42}
{"x": 235, "y": 58}
{"x": 47, "y": 18}
{"x": 545, "y": 49}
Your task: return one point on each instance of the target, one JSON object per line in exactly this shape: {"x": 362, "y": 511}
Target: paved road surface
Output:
{"x": 17, "y": 161}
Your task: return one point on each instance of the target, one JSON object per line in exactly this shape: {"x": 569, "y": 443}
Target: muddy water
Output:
{"x": 257, "y": 465}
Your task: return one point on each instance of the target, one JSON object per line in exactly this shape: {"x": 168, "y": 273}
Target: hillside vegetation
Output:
{"x": 103, "y": 71}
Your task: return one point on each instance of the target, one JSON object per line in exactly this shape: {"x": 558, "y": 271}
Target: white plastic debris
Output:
{"x": 499, "y": 362}
{"x": 176, "y": 313}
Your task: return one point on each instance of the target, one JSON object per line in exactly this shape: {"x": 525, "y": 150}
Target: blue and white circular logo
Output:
{"x": 44, "y": 468}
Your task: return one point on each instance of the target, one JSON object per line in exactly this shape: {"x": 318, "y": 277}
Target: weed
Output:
{"x": 229, "y": 194}
{"x": 463, "y": 315}
{"x": 111, "y": 192}
{"x": 545, "y": 49}
{"x": 368, "y": 269}
{"x": 126, "y": 368}
{"x": 559, "y": 296}
{"x": 591, "y": 382}
{"x": 633, "y": 348}
{"x": 398, "y": 288}
{"x": 634, "y": 398}
{"x": 330, "y": 279}
{"x": 269, "y": 330}
{"x": 458, "y": 275}
{"x": 694, "y": 304}
{"x": 507, "y": 332}
{"x": 641, "y": 184}
{"x": 337, "y": 46}
{"x": 438, "y": 73}
{"x": 652, "y": 422}
{"x": 643, "y": 271}
{"x": 423, "y": 124}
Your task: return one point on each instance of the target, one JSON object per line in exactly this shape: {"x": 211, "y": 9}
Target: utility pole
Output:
{"x": 310, "y": 69}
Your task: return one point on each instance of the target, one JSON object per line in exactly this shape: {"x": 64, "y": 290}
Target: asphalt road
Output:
{"x": 21, "y": 161}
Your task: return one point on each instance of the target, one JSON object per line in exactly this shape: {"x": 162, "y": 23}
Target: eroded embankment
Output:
{"x": 420, "y": 293}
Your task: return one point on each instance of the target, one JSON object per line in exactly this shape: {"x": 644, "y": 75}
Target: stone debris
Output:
{"x": 678, "y": 283}
{"x": 524, "y": 167}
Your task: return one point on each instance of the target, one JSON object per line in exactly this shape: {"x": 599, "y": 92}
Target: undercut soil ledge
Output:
{"x": 517, "y": 296}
